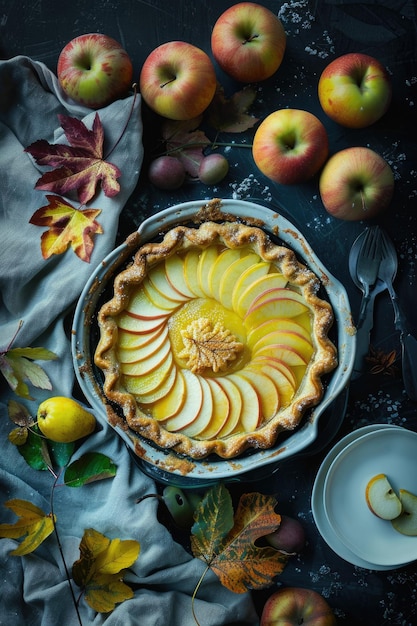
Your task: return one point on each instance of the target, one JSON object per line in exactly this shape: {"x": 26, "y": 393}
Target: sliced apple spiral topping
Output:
{"x": 215, "y": 340}
{"x": 208, "y": 346}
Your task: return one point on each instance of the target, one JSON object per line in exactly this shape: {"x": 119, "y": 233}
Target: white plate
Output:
{"x": 163, "y": 466}
{"x": 317, "y": 505}
{"x": 389, "y": 451}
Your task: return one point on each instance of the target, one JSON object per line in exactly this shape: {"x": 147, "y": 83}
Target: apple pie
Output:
{"x": 215, "y": 341}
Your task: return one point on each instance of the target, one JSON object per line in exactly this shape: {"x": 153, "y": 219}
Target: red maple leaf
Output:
{"x": 79, "y": 166}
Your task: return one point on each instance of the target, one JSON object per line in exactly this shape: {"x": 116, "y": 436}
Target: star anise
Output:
{"x": 382, "y": 362}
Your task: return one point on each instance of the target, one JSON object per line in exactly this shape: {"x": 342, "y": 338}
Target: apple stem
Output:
{"x": 135, "y": 93}
{"x": 364, "y": 207}
{"x": 61, "y": 551}
{"x": 195, "y": 594}
{"x": 150, "y": 495}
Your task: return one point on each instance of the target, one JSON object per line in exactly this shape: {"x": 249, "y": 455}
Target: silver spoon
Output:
{"x": 387, "y": 272}
{"x": 366, "y": 315}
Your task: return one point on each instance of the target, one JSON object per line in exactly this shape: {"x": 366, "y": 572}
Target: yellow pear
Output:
{"x": 64, "y": 420}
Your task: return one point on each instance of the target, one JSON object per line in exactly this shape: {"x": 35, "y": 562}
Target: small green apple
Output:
{"x": 64, "y": 420}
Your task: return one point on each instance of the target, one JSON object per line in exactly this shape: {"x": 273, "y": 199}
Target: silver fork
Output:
{"x": 367, "y": 266}
{"x": 387, "y": 273}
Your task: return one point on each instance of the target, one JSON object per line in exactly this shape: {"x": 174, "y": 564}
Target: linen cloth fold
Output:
{"x": 41, "y": 294}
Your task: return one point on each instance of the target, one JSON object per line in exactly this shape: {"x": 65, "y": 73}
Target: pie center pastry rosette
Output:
{"x": 215, "y": 341}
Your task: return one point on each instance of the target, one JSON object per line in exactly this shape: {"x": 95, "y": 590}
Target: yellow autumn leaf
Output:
{"x": 105, "y": 591}
{"x": 33, "y": 524}
{"x": 119, "y": 555}
{"x": 99, "y": 570}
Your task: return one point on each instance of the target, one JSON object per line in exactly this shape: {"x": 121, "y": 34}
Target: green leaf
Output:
{"x": 61, "y": 453}
{"x": 35, "y": 451}
{"x": 214, "y": 520}
{"x": 90, "y": 467}
{"x": 17, "y": 365}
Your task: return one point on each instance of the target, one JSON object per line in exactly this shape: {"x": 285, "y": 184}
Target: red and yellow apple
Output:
{"x": 355, "y": 90}
{"x": 295, "y": 605}
{"x": 178, "y": 80}
{"x": 94, "y": 70}
{"x": 248, "y": 42}
{"x": 356, "y": 184}
{"x": 290, "y": 146}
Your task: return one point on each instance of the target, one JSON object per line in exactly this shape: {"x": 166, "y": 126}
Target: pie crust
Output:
{"x": 208, "y": 310}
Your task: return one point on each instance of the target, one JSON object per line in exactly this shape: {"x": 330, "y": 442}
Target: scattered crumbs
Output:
{"x": 250, "y": 187}
{"x": 296, "y": 13}
{"x": 333, "y": 583}
{"x": 296, "y": 16}
{"x": 375, "y": 402}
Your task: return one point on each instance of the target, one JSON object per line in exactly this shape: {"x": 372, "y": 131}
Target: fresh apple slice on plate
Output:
{"x": 381, "y": 498}
{"x": 406, "y": 522}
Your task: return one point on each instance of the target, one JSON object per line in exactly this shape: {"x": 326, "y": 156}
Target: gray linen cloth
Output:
{"x": 34, "y": 589}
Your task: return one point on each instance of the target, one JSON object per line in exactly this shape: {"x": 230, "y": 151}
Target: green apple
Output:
{"x": 64, "y": 420}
